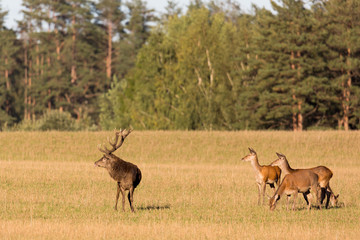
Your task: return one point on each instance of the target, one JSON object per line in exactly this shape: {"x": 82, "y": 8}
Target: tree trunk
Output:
{"x": 31, "y": 107}
{"x": 7, "y": 106}
{"x": 7, "y": 75}
{"x": 346, "y": 94}
{"x": 49, "y": 101}
{"x": 108, "y": 58}
{"x": 25, "y": 83}
{"x": 300, "y": 117}
{"x": 57, "y": 43}
{"x": 73, "y": 66}
{"x": 294, "y": 118}
{"x": 294, "y": 115}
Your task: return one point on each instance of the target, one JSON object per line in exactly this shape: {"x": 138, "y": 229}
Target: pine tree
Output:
{"x": 286, "y": 77}
{"x": 8, "y": 51}
{"x": 110, "y": 16}
{"x": 136, "y": 31}
{"x": 342, "y": 21}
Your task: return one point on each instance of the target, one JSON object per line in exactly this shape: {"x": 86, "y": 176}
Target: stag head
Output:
{"x": 103, "y": 162}
{"x": 116, "y": 143}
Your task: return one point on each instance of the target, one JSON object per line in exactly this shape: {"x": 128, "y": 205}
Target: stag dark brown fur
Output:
{"x": 126, "y": 174}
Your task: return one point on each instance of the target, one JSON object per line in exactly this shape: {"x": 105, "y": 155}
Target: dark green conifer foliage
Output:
{"x": 342, "y": 21}
{"x": 9, "y": 98}
{"x": 286, "y": 78}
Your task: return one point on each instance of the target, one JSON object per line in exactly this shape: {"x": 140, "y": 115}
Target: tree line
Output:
{"x": 213, "y": 66}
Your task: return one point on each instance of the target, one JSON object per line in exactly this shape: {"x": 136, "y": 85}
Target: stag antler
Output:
{"x": 115, "y": 145}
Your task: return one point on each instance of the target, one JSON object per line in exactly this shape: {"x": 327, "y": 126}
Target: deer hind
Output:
{"x": 324, "y": 175}
{"x": 304, "y": 181}
{"x": 126, "y": 174}
{"x": 263, "y": 174}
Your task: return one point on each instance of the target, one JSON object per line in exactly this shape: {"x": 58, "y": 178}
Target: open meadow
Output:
{"x": 194, "y": 186}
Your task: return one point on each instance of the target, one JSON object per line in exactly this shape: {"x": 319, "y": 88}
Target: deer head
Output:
{"x": 251, "y": 156}
{"x": 334, "y": 199}
{"x": 281, "y": 159}
{"x": 272, "y": 202}
{"x": 105, "y": 161}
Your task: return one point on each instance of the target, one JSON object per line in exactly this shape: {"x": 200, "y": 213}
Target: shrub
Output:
{"x": 56, "y": 120}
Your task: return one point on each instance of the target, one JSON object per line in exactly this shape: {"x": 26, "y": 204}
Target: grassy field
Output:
{"x": 194, "y": 186}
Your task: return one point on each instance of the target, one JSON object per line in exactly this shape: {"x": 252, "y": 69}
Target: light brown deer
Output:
{"x": 304, "y": 181}
{"x": 126, "y": 174}
{"x": 263, "y": 174}
{"x": 324, "y": 175}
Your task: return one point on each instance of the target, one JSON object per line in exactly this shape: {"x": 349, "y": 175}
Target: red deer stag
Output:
{"x": 263, "y": 174}
{"x": 304, "y": 181}
{"x": 324, "y": 175}
{"x": 127, "y": 175}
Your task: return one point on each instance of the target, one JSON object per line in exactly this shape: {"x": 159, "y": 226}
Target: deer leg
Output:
{"x": 117, "y": 195}
{"x": 294, "y": 199}
{"x": 328, "y": 195}
{"x": 305, "y": 197}
{"x": 263, "y": 186}
{"x": 323, "y": 194}
{"x": 123, "y": 198}
{"x": 287, "y": 202}
{"x": 317, "y": 189}
{"x": 310, "y": 200}
{"x": 273, "y": 187}
{"x": 131, "y": 198}
{"x": 259, "y": 195}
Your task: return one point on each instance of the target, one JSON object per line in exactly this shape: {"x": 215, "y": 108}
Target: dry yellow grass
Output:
{"x": 194, "y": 186}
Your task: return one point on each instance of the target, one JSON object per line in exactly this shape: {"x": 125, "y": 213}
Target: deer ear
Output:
{"x": 280, "y": 155}
{"x": 252, "y": 150}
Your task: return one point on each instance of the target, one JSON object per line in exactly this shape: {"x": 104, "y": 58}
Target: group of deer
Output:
{"x": 313, "y": 183}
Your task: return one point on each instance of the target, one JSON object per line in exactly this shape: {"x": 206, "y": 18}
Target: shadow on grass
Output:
{"x": 153, "y": 207}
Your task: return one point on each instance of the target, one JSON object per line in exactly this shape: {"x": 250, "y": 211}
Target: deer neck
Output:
{"x": 116, "y": 167}
{"x": 280, "y": 190}
{"x": 285, "y": 167}
{"x": 255, "y": 164}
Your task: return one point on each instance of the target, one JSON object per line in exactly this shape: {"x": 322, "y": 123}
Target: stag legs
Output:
{"x": 131, "y": 198}
{"x": 123, "y": 199}
{"x": 120, "y": 189}
{"x": 117, "y": 195}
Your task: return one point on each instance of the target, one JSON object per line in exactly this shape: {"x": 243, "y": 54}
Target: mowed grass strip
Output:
{"x": 194, "y": 186}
